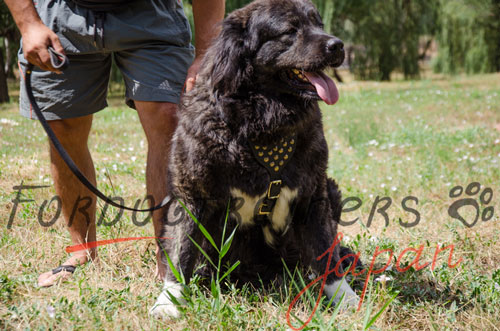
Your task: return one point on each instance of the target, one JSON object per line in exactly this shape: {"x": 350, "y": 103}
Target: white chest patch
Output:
{"x": 246, "y": 207}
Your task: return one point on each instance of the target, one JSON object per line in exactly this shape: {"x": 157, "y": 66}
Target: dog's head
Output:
{"x": 275, "y": 47}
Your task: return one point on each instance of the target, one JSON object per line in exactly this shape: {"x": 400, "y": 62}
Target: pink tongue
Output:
{"x": 325, "y": 87}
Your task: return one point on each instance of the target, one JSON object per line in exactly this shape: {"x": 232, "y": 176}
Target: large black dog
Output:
{"x": 251, "y": 132}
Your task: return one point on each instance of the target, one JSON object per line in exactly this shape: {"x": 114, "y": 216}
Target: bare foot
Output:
{"x": 49, "y": 278}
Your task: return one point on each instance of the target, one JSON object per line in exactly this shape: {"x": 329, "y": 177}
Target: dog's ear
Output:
{"x": 230, "y": 65}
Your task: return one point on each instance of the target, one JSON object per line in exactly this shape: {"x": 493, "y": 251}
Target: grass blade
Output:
{"x": 177, "y": 274}
{"x": 227, "y": 244}
{"x": 202, "y": 251}
{"x": 237, "y": 263}
{"x": 200, "y": 226}
{"x": 374, "y": 318}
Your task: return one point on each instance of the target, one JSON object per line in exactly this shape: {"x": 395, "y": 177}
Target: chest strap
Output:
{"x": 274, "y": 158}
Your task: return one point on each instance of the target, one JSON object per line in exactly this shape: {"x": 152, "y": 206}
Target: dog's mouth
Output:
{"x": 316, "y": 84}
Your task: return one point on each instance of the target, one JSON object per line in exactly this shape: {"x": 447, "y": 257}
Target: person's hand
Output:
{"x": 36, "y": 39}
{"x": 192, "y": 73}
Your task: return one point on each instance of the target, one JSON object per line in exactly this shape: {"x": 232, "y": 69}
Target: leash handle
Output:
{"x": 60, "y": 61}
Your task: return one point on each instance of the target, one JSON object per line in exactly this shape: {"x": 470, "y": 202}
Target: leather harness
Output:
{"x": 274, "y": 158}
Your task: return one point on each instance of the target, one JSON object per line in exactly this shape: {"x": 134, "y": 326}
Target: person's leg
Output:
{"x": 78, "y": 203}
{"x": 159, "y": 120}
{"x": 153, "y": 57}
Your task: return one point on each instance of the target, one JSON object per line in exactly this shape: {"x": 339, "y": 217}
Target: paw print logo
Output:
{"x": 471, "y": 191}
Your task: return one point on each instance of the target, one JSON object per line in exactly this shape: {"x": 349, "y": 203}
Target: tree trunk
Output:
{"x": 4, "y": 91}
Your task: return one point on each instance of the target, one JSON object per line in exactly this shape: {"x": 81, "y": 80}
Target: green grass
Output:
{"x": 386, "y": 139}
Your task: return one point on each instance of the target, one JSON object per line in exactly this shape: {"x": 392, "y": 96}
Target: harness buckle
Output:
{"x": 274, "y": 190}
{"x": 262, "y": 212}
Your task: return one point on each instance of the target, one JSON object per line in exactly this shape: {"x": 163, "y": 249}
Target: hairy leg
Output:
{"x": 78, "y": 203}
{"x": 159, "y": 121}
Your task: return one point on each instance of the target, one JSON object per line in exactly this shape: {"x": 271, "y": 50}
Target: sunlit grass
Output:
{"x": 385, "y": 139}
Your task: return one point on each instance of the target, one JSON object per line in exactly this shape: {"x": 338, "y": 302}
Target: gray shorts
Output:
{"x": 148, "y": 39}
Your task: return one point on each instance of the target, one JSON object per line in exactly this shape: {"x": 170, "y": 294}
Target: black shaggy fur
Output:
{"x": 242, "y": 95}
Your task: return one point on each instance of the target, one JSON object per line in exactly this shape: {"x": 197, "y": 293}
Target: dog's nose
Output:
{"x": 335, "y": 46}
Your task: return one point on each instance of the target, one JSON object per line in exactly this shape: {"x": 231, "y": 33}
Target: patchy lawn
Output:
{"x": 397, "y": 149}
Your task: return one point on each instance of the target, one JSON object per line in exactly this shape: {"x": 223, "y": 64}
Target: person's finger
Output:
{"x": 36, "y": 61}
{"x": 56, "y": 43}
{"x": 46, "y": 64}
{"x": 190, "y": 84}
{"x": 40, "y": 64}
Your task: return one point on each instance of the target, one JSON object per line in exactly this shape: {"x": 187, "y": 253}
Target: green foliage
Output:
{"x": 215, "y": 283}
{"x": 7, "y": 288}
{"x": 235, "y": 4}
{"x": 384, "y": 35}
{"x": 469, "y": 36}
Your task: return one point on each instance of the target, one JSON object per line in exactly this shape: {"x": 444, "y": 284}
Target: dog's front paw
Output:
{"x": 164, "y": 307}
{"x": 351, "y": 301}
{"x": 341, "y": 289}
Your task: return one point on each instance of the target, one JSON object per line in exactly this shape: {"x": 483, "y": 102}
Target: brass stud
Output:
{"x": 276, "y": 169}
{"x": 292, "y": 141}
{"x": 290, "y": 149}
{"x": 276, "y": 157}
{"x": 257, "y": 147}
{"x": 281, "y": 150}
{"x": 264, "y": 147}
{"x": 270, "y": 153}
{"x": 272, "y": 164}
{"x": 281, "y": 163}
{"x": 261, "y": 154}
{"x": 285, "y": 144}
{"x": 285, "y": 157}
{"x": 266, "y": 159}
{"x": 275, "y": 148}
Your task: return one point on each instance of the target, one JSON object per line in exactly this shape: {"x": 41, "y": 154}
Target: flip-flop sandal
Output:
{"x": 68, "y": 268}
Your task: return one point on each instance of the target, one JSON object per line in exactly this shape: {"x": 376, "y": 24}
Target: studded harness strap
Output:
{"x": 274, "y": 158}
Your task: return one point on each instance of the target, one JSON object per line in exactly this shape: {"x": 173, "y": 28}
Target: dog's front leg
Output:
{"x": 178, "y": 227}
{"x": 318, "y": 237}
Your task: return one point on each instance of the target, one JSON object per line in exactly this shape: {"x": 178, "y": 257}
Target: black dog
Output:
{"x": 251, "y": 132}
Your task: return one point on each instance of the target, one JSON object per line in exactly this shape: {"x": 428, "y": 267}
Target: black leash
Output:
{"x": 60, "y": 61}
